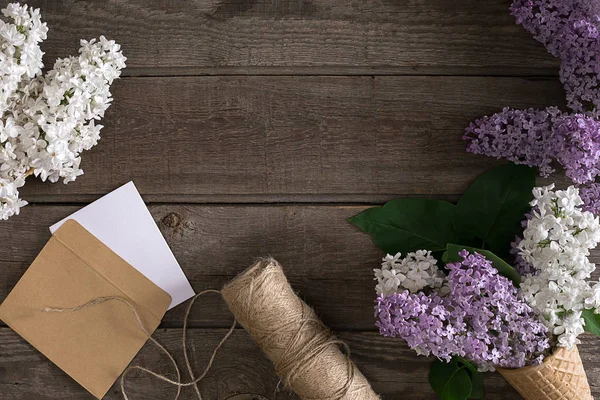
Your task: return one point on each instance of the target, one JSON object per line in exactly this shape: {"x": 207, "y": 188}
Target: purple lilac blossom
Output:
{"x": 590, "y": 194}
{"x": 577, "y": 146}
{"x": 520, "y": 136}
{"x": 548, "y": 20}
{"x": 542, "y": 138}
{"x": 569, "y": 30}
{"x": 520, "y": 265}
{"x": 481, "y": 319}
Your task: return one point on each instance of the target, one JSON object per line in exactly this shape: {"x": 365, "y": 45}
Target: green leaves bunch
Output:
{"x": 488, "y": 216}
{"x": 485, "y": 220}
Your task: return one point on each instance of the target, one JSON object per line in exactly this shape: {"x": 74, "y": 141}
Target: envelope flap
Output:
{"x": 113, "y": 268}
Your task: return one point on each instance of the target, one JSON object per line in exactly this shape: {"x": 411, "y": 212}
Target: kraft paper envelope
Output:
{"x": 96, "y": 344}
{"x": 122, "y": 221}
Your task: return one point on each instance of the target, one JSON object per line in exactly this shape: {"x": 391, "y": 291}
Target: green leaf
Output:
{"x": 476, "y": 378}
{"x": 450, "y": 381}
{"x": 477, "y": 385}
{"x": 504, "y": 269}
{"x": 464, "y": 362}
{"x": 459, "y": 387}
{"x": 406, "y": 225}
{"x": 492, "y": 208}
{"x": 592, "y": 322}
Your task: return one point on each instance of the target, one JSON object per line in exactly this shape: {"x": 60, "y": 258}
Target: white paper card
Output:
{"x": 122, "y": 221}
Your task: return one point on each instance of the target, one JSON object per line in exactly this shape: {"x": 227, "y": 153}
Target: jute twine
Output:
{"x": 194, "y": 382}
{"x": 306, "y": 355}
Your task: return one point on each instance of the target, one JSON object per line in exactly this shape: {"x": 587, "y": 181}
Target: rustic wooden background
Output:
{"x": 257, "y": 127}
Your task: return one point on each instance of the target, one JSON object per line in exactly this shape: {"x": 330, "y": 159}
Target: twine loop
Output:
{"x": 194, "y": 381}
{"x": 305, "y": 353}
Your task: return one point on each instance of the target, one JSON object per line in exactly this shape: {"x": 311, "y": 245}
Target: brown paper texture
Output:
{"x": 94, "y": 345}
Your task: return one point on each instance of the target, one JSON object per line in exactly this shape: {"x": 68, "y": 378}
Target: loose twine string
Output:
{"x": 305, "y": 353}
{"x": 194, "y": 382}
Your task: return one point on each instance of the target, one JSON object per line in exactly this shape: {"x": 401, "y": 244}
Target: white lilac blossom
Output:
{"x": 20, "y": 54}
{"x": 556, "y": 245}
{"x": 46, "y": 121}
{"x": 414, "y": 272}
{"x": 481, "y": 319}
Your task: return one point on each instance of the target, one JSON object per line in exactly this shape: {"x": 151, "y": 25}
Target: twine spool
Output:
{"x": 305, "y": 353}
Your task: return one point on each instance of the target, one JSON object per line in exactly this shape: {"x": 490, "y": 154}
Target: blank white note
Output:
{"x": 122, "y": 221}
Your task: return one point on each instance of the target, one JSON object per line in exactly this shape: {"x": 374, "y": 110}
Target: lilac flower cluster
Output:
{"x": 481, "y": 319}
{"x": 520, "y": 136}
{"x": 542, "y": 138}
{"x": 557, "y": 240}
{"x": 590, "y": 194}
{"x": 520, "y": 265}
{"x": 569, "y": 30}
{"x": 577, "y": 146}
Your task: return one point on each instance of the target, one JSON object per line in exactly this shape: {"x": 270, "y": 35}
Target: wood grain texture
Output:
{"x": 312, "y": 111}
{"x": 301, "y": 36}
{"x": 328, "y": 261}
{"x": 333, "y": 272}
{"x": 393, "y": 370}
{"x": 280, "y": 139}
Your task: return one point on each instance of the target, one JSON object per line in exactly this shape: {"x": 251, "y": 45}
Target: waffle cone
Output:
{"x": 560, "y": 377}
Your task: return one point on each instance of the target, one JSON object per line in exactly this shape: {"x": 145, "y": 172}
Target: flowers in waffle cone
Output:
{"x": 473, "y": 313}
{"x": 468, "y": 306}
{"x": 478, "y": 310}
{"x": 46, "y": 121}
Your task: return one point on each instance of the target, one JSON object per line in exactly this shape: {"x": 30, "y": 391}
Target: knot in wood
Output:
{"x": 172, "y": 220}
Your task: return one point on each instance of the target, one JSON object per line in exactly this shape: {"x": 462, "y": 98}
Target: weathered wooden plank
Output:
{"x": 327, "y": 260}
{"x": 295, "y": 36}
{"x": 394, "y": 371}
{"x": 274, "y": 139}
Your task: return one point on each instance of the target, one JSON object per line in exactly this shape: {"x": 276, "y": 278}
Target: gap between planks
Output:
{"x": 466, "y": 71}
{"x": 218, "y": 200}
